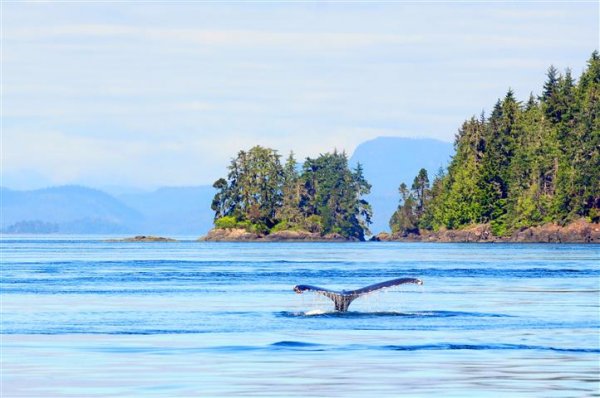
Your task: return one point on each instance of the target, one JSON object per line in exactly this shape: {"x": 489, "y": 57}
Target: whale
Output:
{"x": 342, "y": 299}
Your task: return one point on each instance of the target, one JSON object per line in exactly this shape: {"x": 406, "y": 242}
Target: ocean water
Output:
{"x": 86, "y": 318}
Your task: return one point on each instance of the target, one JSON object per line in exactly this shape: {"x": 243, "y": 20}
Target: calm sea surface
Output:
{"x": 85, "y": 318}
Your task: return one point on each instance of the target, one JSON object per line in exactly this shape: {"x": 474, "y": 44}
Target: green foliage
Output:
{"x": 420, "y": 187}
{"x": 594, "y": 215}
{"x": 247, "y": 225}
{"x": 291, "y": 190}
{"x": 282, "y": 226}
{"x": 289, "y": 226}
{"x": 226, "y": 222}
{"x": 262, "y": 196}
{"x": 523, "y": 165}
{"x": 333, "y": 192}
{"x": 252, "y": 191}
{"x": 411, "y": 213}
{"x": 313, "y": 223}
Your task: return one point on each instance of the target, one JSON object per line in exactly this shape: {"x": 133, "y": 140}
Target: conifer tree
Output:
{"x": 404, "y": 220}
{"x": 420, "y": 187}
{"x": 290, "y": 213}
{"x": 524, "y": 165}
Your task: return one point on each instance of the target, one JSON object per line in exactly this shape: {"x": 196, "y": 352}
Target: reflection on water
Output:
{"x": 88, "y": 318}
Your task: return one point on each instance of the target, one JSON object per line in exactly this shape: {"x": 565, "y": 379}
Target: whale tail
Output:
{"x": 342, "y": 300}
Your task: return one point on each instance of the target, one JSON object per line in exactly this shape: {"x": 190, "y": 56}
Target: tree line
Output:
{"x": 262, "y": 195}
{"x": 525, "y": 164}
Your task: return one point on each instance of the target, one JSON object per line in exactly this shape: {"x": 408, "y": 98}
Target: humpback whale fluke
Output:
{"x": 342, "y": 299}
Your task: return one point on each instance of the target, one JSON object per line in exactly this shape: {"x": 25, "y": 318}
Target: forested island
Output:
{"x": 530, "y": 171}
{"x": 525, "y": 165}
{"x": 261, "y": 198}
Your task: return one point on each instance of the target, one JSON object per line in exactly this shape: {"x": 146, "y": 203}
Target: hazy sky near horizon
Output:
{"x": 149, "y": 94}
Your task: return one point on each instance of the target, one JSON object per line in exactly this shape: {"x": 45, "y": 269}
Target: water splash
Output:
{"x": 370, "y": 314}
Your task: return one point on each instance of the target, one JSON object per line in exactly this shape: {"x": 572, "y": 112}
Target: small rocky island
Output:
{"x": 264, "y": 200}
{"x": 143, "y": 238}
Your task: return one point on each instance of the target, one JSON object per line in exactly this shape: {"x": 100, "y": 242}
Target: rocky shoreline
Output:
{"x": 580, "y": 231}
{"x": 241, "y": 235}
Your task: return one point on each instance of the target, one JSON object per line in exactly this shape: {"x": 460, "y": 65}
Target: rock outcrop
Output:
{"x": 143, "y": 238}
{"x": 304, "y": 236}
{"x": 241, "y": 235}
{"x": 580, "y": 231}
{"x": 230, "y": 235}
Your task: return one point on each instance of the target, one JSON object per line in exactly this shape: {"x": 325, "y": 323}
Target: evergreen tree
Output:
{"x": 290, "y": 213}
{"x": 549, "y": 98}
{"x": 404, "y": 220}
{"x": 583, "y": 192}
{"x": 221, "y": 201}
{"x": 253, "y": 190}
{"x": 361, "y": 206}
{"x": 332, "y": 195}
{"x": 420, "y": 187}
{"x": 433, "y": 206}
{"x": 522, "y": 166}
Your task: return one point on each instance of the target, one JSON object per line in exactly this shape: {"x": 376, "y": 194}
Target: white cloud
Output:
{"x": 63, "y": 157}
{"x": 232, "y": 37}
{"x": 165, "y": 94}
{"x": 196, "y": 106}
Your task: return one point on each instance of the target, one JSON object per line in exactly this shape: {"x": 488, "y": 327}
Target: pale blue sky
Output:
{"x": 151, "y": 94}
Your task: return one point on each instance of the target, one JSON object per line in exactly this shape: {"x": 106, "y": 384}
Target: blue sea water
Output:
{"x": 86, "y": 318}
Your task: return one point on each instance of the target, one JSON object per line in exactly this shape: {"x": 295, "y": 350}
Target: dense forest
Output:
{"x": 526, "y": 164}
{"x": 263, "y": 196}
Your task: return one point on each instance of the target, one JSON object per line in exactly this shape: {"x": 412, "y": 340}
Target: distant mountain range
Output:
{"x": 81, "y": 210}
{"x": 387, "y": 162}
{"x": 66, "y": 209}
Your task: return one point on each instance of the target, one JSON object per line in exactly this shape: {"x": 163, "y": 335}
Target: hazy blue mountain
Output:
{"x": 389, "y": 161}
{"x": 65, "y": 209}
{"x": 77, "y": 209}
{"x": 173, "y": 210}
